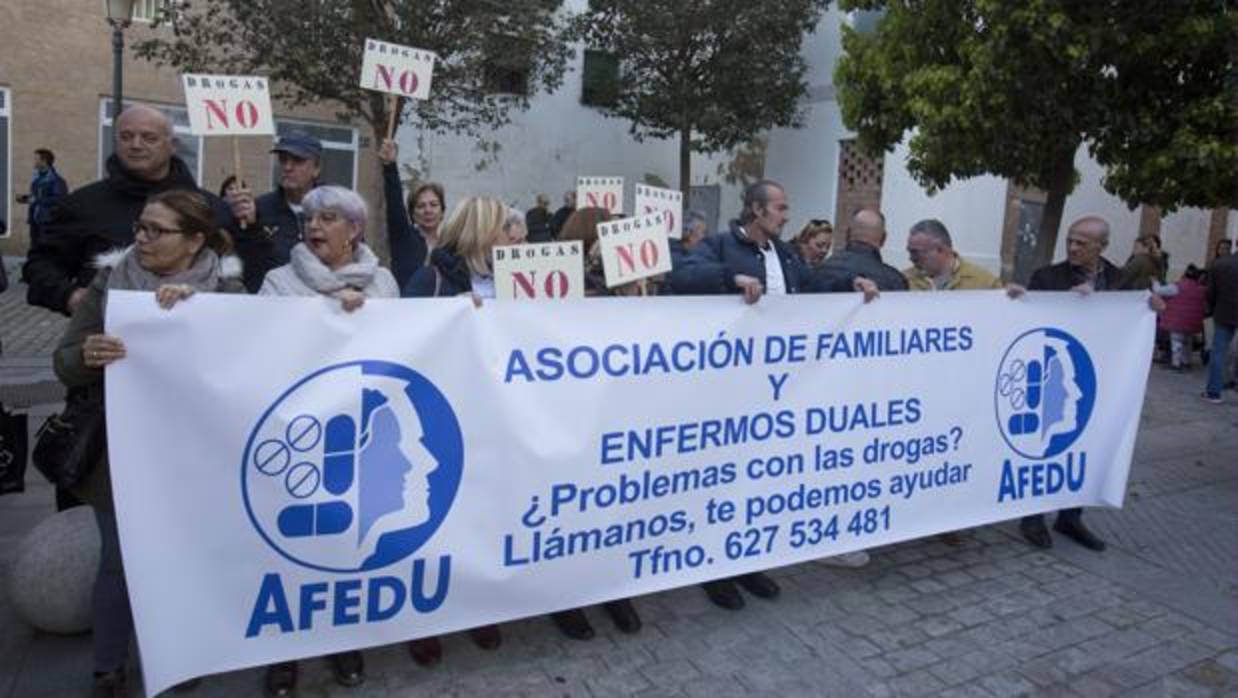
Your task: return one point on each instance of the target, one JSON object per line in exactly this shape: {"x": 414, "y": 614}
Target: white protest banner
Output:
{"x": 228, "y": 105}
{"x": 418, "y": 467}
{"x": 600, "y": 192}
{"x": 654, "y": 199}
{"x": 399, "y": 70}
{"x": 634, "y": 248}
{"x": 539, "y": 271}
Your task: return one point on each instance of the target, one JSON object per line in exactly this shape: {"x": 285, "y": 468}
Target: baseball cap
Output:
{"x": 299, "y": 144}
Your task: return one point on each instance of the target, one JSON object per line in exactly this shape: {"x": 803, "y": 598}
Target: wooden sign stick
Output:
{"x": 236, "y": 160}
{"x": 393, "y": 104}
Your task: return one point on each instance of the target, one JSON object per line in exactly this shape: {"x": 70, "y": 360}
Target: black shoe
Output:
{"x": 724, "y": 593}
{"x": 1036, "y": 533}
{"x": 186, "y": 686}
{"x": 1076, "y": 531}
{"x": 427, "y": 651}
{"x": 624, "y": 614}
{"x": 111, "y": 684}
{"x": 759, "y": 584}
{"x": 573, "y": 623}
{"x": 348, "y": 668}
{"x": 281, "y": 680}
{"x": 487, "y": 637}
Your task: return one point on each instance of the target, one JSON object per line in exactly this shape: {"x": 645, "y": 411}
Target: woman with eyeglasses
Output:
{"x": 331, "y": 261}
{"x": 178, "y": 251}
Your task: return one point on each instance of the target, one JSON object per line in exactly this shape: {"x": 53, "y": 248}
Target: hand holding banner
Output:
{"x": 653, "y": 199}
{"x": 634, "y": 248}
{"x": 539, "y": 271}
{"x": 600, "y": 192}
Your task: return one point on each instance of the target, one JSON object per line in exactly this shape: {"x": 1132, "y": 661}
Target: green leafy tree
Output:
{"x": 714, "y": 73}
{"x": 312, "y": 51}
{"x": 1015, "y": 88}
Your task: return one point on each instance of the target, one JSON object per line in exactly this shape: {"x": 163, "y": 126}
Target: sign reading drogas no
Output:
{"x": 398, "y": 70}
{"x": 221, "y": 105}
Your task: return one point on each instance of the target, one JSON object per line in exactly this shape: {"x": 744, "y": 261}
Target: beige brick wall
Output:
{"x": 57, "y": 65}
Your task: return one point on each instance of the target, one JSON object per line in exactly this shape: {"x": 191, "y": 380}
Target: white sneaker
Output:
{"x": 858, "y": 558}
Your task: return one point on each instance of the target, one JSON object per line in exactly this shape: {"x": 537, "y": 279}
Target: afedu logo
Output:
{"x": 353, "y": 468}
{"x": 1045, "y": 393}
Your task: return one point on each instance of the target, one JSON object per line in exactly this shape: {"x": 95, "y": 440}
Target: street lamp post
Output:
{"x": 119, "y": 15}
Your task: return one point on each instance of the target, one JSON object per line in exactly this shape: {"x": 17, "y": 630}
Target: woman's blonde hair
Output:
{"x": 475, "y": 225}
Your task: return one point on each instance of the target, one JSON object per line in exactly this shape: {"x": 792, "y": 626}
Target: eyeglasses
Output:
{"x": 152, "y": 231}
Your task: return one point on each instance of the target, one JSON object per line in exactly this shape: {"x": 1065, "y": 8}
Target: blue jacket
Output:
{"x": 711, "y": 266}
{"x": 46, "y": 189}
{"x": 408, "y": 247}
{"x": 279, "y": 224}
{"x": 446, "y": 275}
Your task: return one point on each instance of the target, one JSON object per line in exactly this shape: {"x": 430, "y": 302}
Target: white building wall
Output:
{"x": 806, "y": 162}
{"x": 972, "y": 209}
{"x": 544, "y": 149}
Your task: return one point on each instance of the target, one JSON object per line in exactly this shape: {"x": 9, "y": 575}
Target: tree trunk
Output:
{"x": 1057, "y": 189}
{"x": 685, "y": 164}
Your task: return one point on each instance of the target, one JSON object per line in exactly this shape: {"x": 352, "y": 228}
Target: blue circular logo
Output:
{"x": 1045, "y": 392}
{"x": 354, "y": 467}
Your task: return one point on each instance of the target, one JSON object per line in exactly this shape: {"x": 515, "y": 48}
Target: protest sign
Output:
{"x": 400, "y": 71}
{"x": 600, "y": 192}
{"x": 539, "y": 271}
{"x": 418, "y": 467}
{"x": 229, "y": 105}
{"x": 654, "y": 199}
{"x": 634, "y": 248}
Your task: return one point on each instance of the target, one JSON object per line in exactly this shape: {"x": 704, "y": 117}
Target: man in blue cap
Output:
{"x": 277, "y": 214}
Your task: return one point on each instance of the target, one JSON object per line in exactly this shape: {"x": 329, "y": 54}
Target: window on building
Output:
{"x": 339, "y": 151}
{"x": 188, "y": 146}
{"x": 147, "y": 10}
{"x": 507, "y": 71}
{"x": 6, "y": 163}
{"x": 600, "y": 79}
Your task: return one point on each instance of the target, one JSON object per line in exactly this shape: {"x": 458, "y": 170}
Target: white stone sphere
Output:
{"x": 52, "y": 578}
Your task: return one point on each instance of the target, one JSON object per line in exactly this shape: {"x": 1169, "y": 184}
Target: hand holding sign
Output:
{"x": 400, "y": 71}
{"x": 600, "y": 192}
{"x": 654, "y": 199}
{"x": 634, "y": 248}
{"x": 539, "y": 271}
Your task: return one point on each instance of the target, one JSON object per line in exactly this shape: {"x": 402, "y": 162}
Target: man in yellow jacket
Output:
{"x": 937, "y": 267}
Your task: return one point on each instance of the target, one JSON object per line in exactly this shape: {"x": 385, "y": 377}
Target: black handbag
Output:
{"x": 69, "y": 444}
{"x": 12, "y": 452}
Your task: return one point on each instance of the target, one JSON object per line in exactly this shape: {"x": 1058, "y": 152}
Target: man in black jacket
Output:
{"x": 277, "y": 214}
{"x": 860, "y": 260}
{"x": 100, "y": 216}
{"x": 1085, "y": 270}
{"x": 747, "y": 258}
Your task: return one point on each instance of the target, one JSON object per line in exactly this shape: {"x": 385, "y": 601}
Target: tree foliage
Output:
{"x": 312, "y": 51}
{"x": 1014, "y": 88}
{"x": 715, "y": 73}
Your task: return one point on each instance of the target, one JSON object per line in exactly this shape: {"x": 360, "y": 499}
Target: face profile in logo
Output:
{"x": 354, "y": 467}
{"x": 1046, "y": 389}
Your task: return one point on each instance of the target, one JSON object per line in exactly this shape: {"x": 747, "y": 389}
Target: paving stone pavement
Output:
{"x": 1154, "y": 615}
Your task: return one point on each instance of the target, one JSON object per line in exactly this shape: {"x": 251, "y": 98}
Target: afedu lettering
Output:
{"x": 349, "y": 473}
{"x": 1044, "y": 396}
